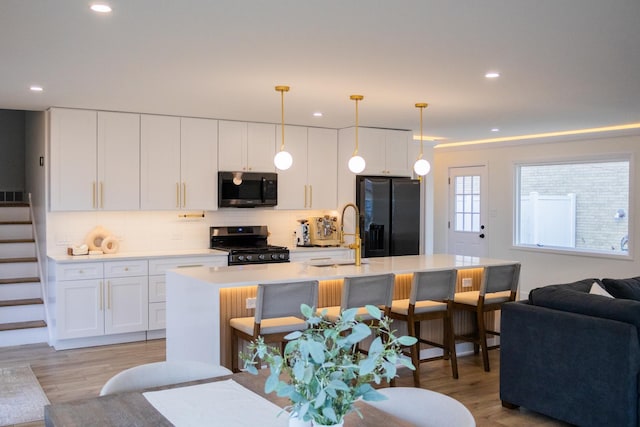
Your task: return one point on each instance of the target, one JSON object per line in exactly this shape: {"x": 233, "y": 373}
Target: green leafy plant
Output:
{"x": 325, "y": 371}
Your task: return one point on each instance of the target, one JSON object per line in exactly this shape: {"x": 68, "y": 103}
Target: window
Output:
{"x": 575, "y": 206}
{"x": 467, "y": 203}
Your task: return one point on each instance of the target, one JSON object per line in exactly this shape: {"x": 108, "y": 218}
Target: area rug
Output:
{"x": 21, "y": 397}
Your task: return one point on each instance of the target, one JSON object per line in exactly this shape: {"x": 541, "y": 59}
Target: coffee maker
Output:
{"x": 323, "y": 231}
{"x": 302, "y": 233}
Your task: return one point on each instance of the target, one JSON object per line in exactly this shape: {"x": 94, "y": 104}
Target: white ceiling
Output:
{"x": 565, "y": 64}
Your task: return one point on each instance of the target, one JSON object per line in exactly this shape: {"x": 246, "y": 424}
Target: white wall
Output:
{"x": 538, "y": 268}
{"x": 161, "y": 231}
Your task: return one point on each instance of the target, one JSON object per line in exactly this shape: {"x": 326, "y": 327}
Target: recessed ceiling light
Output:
{"x": 495, "y": 130}
{"x": 492, "y": 75}
{"x": 317, "y": 114}
{"x": 101, "y": 8}
{"x": 35, "y": 88}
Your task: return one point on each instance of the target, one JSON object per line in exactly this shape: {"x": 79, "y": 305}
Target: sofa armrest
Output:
{"x": 573, "y": 367}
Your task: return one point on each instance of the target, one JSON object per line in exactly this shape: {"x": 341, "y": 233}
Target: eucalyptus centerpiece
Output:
{"x": 325, "y": 371}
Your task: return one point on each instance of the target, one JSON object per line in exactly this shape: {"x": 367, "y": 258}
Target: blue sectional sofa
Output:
{"x": 573, "y": 355}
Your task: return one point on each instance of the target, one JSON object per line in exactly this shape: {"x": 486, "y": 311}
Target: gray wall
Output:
{"x": 12, "y": 131}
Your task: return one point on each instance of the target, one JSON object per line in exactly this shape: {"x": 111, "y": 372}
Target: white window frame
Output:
{"x": 620, "y": 157}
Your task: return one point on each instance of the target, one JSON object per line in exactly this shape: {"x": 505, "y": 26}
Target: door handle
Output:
{"x": 481, "y": 235}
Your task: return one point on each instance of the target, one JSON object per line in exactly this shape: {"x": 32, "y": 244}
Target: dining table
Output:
{"x": 232, "y": 400}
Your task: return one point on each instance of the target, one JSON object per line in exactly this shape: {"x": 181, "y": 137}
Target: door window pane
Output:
{"x": 467, "y": 210}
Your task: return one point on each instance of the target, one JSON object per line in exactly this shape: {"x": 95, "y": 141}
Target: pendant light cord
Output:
{"x": 282, "y": 90}
{"x": 356, "y": 98}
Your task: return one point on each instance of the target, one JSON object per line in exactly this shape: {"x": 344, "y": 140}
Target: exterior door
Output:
{"x": 468, "y": 211}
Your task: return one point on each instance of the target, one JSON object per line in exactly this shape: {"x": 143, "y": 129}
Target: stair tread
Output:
{"x": 14, "y": 205}
{"x": 19, "y": 280}
{"x": 12, "y": 260}
{"x": 15, "y": 222}
{"x": 15, "y": 302}
{"x": 30, "y": 240}
{"x": 23, "y": 325}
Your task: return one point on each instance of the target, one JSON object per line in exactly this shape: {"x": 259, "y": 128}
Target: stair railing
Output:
{"x": 43, "y": 283}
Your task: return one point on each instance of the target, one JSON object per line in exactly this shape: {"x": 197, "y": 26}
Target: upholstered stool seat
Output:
{"x": 268, "y": 326}
{"x": 499, "y": 285}
{"x": 429, "y": 299}
{"x": 277, "y": 314}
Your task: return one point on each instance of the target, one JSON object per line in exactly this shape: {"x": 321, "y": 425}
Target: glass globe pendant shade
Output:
{"x": 356, "y": 164}
{"x": 421, "y": 167}
{"x": 283, "y": 160}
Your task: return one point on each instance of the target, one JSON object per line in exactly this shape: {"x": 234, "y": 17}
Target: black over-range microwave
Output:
{"x": 247, "y": 189}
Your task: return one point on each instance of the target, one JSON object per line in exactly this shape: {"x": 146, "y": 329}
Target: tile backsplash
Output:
{"x": 162, "y": 231}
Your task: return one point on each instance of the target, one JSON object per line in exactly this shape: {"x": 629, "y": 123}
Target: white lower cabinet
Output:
{"x": 101, "y": 298}
{"x": 157, "y": 282}
{"x": 96, "y": 301}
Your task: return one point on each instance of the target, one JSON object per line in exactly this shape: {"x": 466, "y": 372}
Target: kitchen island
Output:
{"x": 200, "y": 300}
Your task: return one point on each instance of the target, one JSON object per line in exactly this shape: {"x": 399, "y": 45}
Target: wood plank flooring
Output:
{"x": 78, "y": 374}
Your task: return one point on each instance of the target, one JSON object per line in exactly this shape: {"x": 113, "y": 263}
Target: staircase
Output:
{"x": 22, "y": 311}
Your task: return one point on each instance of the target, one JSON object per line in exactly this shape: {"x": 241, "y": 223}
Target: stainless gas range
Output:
{"x": 247, "y": 245}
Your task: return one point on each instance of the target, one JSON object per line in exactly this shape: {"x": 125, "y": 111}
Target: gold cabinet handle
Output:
{"x": 101, "y": 195}
{"x": 305, "y": 195}
{"x": 108, "y": 295}
{"x": 310, "y": 196}
{"x": 93, "y": 195}
{"x": 101, "y": 296}
{"x": 184, "y": 194}
{"x": 177, "y": 194}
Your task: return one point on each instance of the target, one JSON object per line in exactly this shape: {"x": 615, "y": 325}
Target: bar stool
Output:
{"x": 430, "y": 298}
{"x": 499, "y": 284}
{"x": 359, "y": 291}
{"x": 277, "y": 314}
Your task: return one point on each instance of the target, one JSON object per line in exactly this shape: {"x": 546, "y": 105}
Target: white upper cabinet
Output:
{"x": 384, "y": 151}
{"x": 293, "y": 188}
{"x": 311, "y": 182}
{"x": 73, "y": 151}
{"x": 118, "y": 161}
{"x": 160, "y": 162}
{"x": 178, "y": 163}
{"x": 198, "y": 163}
{"x": 322, "y": 164}
{"x": 94, "y": 160}
{"x": 246, "y": 146}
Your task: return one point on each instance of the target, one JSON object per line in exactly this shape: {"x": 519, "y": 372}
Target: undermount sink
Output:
{"x": 331, "y": 262}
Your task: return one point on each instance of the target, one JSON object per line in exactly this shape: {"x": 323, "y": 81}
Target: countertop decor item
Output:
{"x": 325, "y": 373}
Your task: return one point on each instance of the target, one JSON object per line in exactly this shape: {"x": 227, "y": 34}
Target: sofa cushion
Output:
{"x": 597, "y": 289}
{"x": 623, "y": 288}
{"x": 567, "y": 298}
{"x": 580, "y": 286}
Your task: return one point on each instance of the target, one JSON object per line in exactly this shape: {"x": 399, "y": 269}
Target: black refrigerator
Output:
{"x": 389, "y": 215}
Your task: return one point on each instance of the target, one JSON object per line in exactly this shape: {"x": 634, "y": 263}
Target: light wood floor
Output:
{"x": 78, "y": 374}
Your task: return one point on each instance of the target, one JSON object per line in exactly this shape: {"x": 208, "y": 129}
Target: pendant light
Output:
{"x": 282, "y": 159}
{"x": 421, "y": 166}
{"x": 356, "y": 163}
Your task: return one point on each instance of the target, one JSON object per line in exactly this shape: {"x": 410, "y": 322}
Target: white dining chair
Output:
{"x": 160, "y": 374}
{"x": 424, "y": 408}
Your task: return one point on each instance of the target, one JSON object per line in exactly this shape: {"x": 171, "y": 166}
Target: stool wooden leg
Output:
{"x": 482, "y": 337}
{"x": 234, "y": 352}
{"x": 415, "y": 350}
{"x": 450, "y": 344}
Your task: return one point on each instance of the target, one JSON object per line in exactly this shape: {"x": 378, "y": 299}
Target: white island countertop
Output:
{"x": 193, "y": 294}
{"x": 247, "y": 275}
